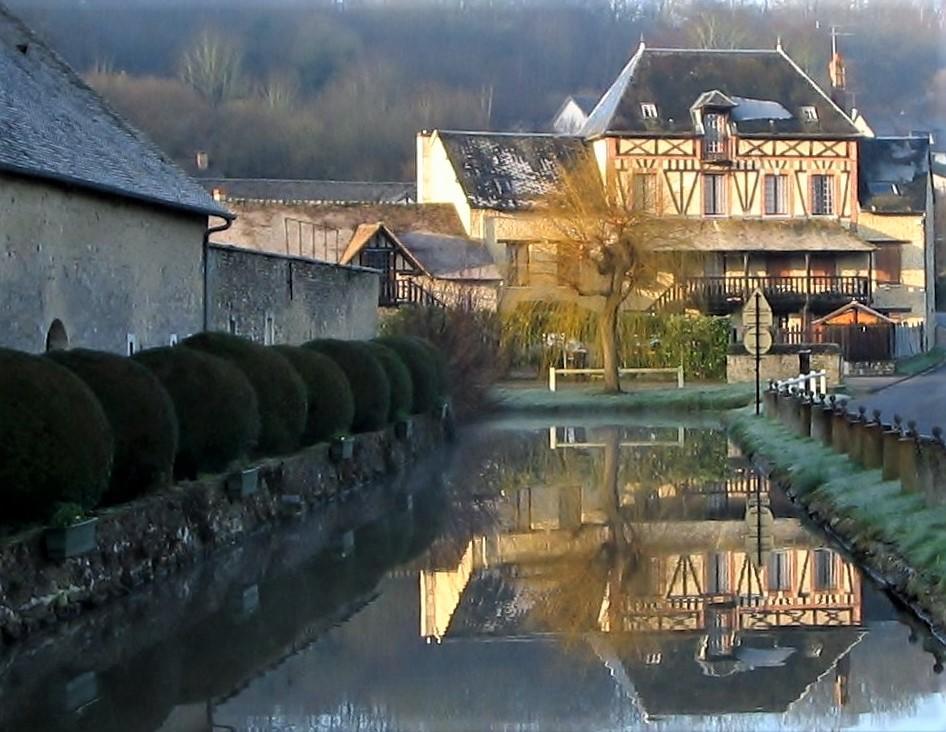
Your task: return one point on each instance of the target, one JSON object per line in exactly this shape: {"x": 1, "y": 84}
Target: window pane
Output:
{"x": 714, "y": 202}
{"x": 643, "y": 193}
{"x": 825, "y": 575}
{"x": 717, "y": 574}
{"x": 822, "y": 195}
{"x": 778, "y": 567}
{"x": 775, "y": 194}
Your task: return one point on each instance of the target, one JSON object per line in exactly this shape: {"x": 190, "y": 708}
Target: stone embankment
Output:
{"x": 877, "y": 486}
{"x": 159, "y": 533}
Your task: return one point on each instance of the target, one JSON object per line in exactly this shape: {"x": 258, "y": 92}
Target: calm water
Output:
{"x": 575, "y": 576}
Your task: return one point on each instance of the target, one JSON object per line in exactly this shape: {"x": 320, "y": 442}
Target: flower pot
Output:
{"x": 71, "y": 541}
{"x": 243, "y": 483}
{"x": 404, "y": 430}
{"x": 342, "y": 449}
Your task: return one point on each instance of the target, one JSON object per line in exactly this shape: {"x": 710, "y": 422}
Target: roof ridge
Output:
{"x": 668, "y": 49}
{"x": 308, "y": 180}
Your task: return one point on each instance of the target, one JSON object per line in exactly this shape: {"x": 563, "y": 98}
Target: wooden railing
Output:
{"x": 410, "y": 292}
{"x": 728, "y": 292}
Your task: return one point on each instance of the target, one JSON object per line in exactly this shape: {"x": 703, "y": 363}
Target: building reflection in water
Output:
{"x": 671, "y": 558}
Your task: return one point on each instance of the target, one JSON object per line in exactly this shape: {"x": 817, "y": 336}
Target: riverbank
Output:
{"x": 164, "y": 531}
{"x": 539, "y": 400}
{"x": 893, "y": 533}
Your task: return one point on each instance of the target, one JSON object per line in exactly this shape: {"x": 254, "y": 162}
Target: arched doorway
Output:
{"x": 56, "y": 337}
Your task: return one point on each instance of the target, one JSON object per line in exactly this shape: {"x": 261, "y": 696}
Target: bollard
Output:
{"x": 907, "y": 449}
{"x": 936, "y": 459}
{"x": 925, "y": 455}
{"x": 829, "y": 421}
{"x": 872, "y": 444}
{"x": 770, "y": 400}
{"x": 805, "y": 410}
{"x": 819, "y": 420}
{"x": 785, "y": 408}
{"x": 855, "y": 447}
{"x": 892, "y": 436}
{"x": 840, "y": 427}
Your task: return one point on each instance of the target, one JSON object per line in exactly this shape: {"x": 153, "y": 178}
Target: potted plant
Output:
{"x": 342, "y": 448}
{"x": 71, "y": 532}
{"x": 243, "y": 483}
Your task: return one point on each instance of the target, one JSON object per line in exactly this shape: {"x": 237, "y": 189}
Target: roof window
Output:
{"x": 809, "y": 114}
{"x": 648, "y": 110}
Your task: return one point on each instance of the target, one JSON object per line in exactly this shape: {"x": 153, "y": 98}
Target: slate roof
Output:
{"x": 894, "y": 174}
{"x": 312, "y": 191}
{"x": 53, "y": 126}
{"x": 673, "y": 80}
{"x": 508, "y": 172}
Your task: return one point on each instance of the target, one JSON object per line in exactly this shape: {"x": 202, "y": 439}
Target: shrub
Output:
{"x": 369, "y": 382}
{"x": 140, "y": 413}
{"x": 217, "y": 414}
{"x": 55, "y": 441}
{"x": 331, "y": 406}
{"x": 399, "y": 379}
{"x": 280, "y": 392}
{"x": 420, "y": 366}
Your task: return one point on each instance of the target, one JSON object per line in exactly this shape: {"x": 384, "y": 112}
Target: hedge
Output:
{"x": 331, "y": 406}
{"x": 369, "y": 382}
{"x": 55, "y": 441}
{"x": 140, "y": 413}
{"x": 217, "y": 414}
{"x": 280, "y": 392}
{"x": 420, "y": 365}
{"x": 439, "y": 361}
{"x": 399, "y": 379}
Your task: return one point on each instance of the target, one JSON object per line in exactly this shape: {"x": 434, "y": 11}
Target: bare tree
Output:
{"x": 608, "y": 248}
{"x": 212, "y": 67}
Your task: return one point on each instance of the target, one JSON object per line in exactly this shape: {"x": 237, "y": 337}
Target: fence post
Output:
{"x": 891, "y": 470}
{"x": 551, "y": 378}
{"x": 840, "y": 428}
{"x": 680, "y": 376}
{"x": 872, "y": 445}
{"x": 823, "y": 381}
{"x": 907, "y": 448}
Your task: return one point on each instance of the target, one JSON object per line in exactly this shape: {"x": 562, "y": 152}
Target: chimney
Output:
{"x": 837, "y": 74}
{"x": 202, "y": 160}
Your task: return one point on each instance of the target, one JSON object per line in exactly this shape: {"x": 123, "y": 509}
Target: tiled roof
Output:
{"x": 505, "y": 171}
{"x": 312, "y": 191}
{"x": 894, "y": 174}
{"x": 53, "y": 126}
{"x": 754, "y": 235}
{"x": 674, "y": 79}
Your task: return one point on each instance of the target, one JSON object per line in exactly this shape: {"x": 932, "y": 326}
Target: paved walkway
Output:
{"x": 921, "y": 398}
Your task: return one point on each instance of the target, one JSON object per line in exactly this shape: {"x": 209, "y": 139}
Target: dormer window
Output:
{"x": 648, "y": 110}
{"x": 715, "y": 135}
{"x": 809, "y": 114}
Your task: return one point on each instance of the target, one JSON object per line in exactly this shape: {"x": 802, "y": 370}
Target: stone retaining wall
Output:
{"x": 159, "y": 533}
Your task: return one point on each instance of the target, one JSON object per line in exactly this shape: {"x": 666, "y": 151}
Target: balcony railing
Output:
{"x": 722, "y": 294}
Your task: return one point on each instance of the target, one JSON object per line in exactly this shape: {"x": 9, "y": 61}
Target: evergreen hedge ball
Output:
{"x": 55, "y": 441}
{"x": 422, "y": 368}
{"x": 217, "y": 414}
{"x": 399, "y": 378}
{"x": 439, "y": 361}
{"x": 280, "y": 392}
{"x": 144, "y": 425}
{"x": 369, "y": 382}
{"x": 331, "y": 406}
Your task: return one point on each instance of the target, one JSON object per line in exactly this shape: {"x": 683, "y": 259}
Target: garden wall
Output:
{"x": 157, "y": 534}
{"x": 782, "y": 363}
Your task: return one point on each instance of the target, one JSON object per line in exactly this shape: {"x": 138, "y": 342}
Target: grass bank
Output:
{"x": 539, "y": 400}
{"x": 892, "y": 532}
{"x": 921, "y": 362}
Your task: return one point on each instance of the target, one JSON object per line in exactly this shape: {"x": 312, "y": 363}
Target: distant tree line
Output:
{"x": 337, "y": 89}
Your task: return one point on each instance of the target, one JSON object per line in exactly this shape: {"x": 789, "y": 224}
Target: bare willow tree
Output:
{"x": 212, "y": 67}
{"x": 609, "y": 247}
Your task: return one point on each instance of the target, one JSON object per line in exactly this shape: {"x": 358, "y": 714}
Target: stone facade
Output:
{"x": 782, "y": 363}
{"x": 111, "y": 270}
{"x": 277, "y": 299}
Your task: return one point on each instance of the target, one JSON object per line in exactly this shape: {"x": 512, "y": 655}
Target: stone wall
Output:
{"x": 277, "y": 299}
{"x": 781, "y": 362}
{"x": 110, "y": 270}
{"x": 157, "y": 534}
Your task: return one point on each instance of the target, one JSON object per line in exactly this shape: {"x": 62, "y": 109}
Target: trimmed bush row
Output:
{"x": 85, "y": 427}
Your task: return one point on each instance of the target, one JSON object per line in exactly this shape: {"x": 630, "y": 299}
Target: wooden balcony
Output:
{"x": 720, "y": 295}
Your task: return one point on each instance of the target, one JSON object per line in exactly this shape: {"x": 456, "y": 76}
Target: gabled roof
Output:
{"x": 440, "y": 256}
{"x": 312, "y": 191}
{"x": 894, "y": 174}
{"x": 508, "y": 172}
{"x": 856, "y": 306}
{"x": 53, "y": 126}
{"x": 584, "y": 102}
{"x": 674, "y": 79}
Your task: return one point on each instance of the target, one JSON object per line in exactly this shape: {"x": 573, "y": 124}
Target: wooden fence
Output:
{"x": 860, "y": 343}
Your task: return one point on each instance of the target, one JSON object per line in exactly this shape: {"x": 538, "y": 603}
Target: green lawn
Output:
{"x": 921, "y": 362}
{"x": 882, "y": 521}
{"x": 539, "y": 399}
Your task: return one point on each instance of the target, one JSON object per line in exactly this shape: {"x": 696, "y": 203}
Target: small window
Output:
{"x": 715, "y": 136}
{"x": 131, "y": 344}
{"x": 648, "y": 110}
{"x": 809, "y": 114}
{"x": 887, "y": 264}
{"x": 714, "y": 194}
{"x": 822, "y": 195}
{"x": 269, "y": 331}
{"x": 172, "y": 340}
{"x": 825, "y": 575}
{"x": 644, "y": 192}
{"x": 778, "y": 571}
{"x": 776, "y": 195}
{"x": 717, "y": 573}
{"x": 517, "y": 264}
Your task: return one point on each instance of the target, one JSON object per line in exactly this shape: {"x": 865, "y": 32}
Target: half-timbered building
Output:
{"x": 760, "y": 165}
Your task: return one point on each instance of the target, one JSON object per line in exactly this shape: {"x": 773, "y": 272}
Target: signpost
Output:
{"x": 756, "y": 336}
